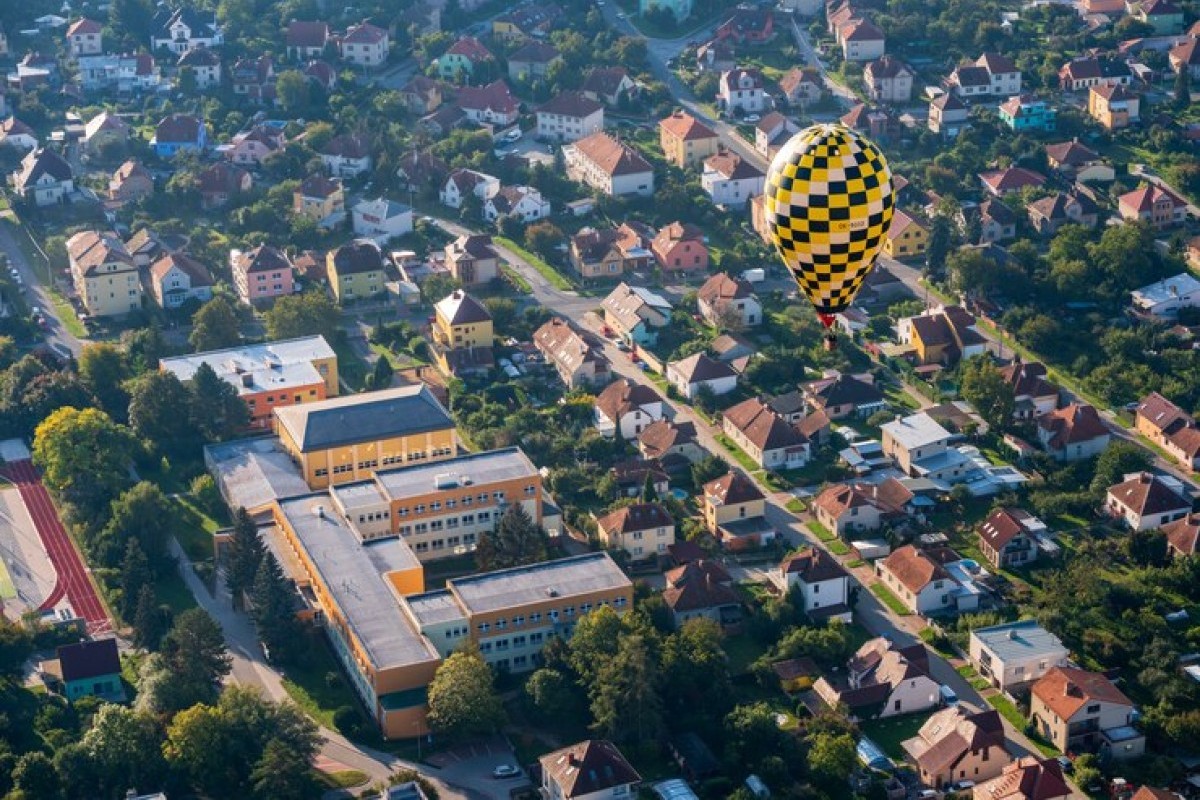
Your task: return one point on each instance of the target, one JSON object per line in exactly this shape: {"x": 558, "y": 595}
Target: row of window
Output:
{"x": 443, "y": 524}
{"x": 517, "y": 642}
{"x": 466, "y": 540}
{"x": 552, "y": 615}
{"x": 416, "y": 455}
{"x": 250, "y": 401}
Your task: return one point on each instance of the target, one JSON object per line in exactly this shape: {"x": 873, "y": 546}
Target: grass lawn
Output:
{"x": 66, "y": 314}
{"x": 838, "y": 547}
{"x": 820, "y": 531}
{"x": 742, "y": 651}
{"x": 856, "y": 563}
{"x": 1007, "y": 710}
{"x": 890, "y": 600}
{"x": 305, "y": 684}
{"x": 514, "y": 277}
{"x": 196, "y": 529}
{"x": 888, "y": 733}
{"x": 796, "y": 505}
{"x": 555, "y": 278}
{"x": 342, "y": 779}
{"x": 738, "y": 453}
{"x": 173, "y": 592}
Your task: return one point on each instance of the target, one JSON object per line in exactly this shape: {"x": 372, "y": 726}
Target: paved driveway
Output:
{"x": 470, "y": 767}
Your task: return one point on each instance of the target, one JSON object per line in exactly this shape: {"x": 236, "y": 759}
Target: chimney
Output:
{"x": 573, "y": 760}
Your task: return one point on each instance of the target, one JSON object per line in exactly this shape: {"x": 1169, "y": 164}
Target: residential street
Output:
{"x": 36, "y": 294}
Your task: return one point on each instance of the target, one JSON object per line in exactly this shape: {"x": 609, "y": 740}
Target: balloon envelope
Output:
{"x": 828, "y": 203}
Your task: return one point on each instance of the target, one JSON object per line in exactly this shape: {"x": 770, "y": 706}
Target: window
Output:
{"x": 619, "y": 602}
{"x": 535, "y": 617}
{"x": 518, "y": 620}
{"x": 501, "y": 624}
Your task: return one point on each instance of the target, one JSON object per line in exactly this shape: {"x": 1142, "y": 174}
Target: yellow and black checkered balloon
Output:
{"x": 828, "y": 207}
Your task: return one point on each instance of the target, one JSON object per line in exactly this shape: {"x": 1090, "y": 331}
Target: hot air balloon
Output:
{"x": 828, "y": 205}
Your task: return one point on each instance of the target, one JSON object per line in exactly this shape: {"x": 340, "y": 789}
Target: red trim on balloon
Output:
{"x": 826, "y": 319}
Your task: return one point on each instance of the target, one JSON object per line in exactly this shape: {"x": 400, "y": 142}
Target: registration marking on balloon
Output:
{"x": 829, "y": 204}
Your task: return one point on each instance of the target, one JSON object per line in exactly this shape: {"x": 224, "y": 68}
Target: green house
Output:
{"x": 91, "y": 668}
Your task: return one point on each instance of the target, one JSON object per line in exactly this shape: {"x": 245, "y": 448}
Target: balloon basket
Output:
{"x": 831, "y": 342}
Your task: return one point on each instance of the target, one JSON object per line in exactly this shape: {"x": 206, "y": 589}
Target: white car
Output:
{"x": 622, "y": 15}
{"x": 513, "y": 135}
{"x": 753, "y": 118}
{"x": 506, "y": 771}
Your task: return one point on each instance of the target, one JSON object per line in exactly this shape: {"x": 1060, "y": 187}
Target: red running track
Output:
{"x": 73, "y": 580}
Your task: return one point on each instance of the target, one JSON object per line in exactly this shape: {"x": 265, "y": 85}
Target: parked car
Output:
{"x": 949, "y": 698}
{"x": 506, "y": 771}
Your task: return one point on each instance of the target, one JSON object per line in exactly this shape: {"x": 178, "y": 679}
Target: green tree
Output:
{"x": 143, "y": 348}
{"x": 552, "y": 696}
{"x": 132, "y": 19}
{"x": 274, "y": 615}
{"x": 124, "y": 748}
{"x": 214, "y": 408}
{"x": 517, "y": 540}
{"x": 292, "y": 91}
{"x": 145, "y": 515}
{"x": 695, "y": 671}
{"x": 462, "y": 698}
{"x": 626, "y": 704}
{"x": 595, "y": 641}
{"x": 103, "y": 370}
{"x": 1117, "y": 460}
{"x": 155, "y": 406}
{"x": 985, "y": 388}
{"x": 194, "y": 652}
{"x": 16, "y": 646}
{"x": 150, "y": 620}
{"x": 649, "y": 493}
{"x": 751, "y": 733}
{"x": 215, "y": 326}
{"x": 1183, "y": 88}
{"x": 708, "y": 469}
{"x": 34, "y": 774}
{"x": 243, "y": 556}
{"x": 84, "y": 457}
{"x": 939, "y": 244}
{"x": 831, "y": 758}
{"x": 544, "y": 238}
{"x": 135, "y": 576}
{"x": 282, "y": 773}
{"x": 381, "y": 376}
{"x": 310, "y": 314}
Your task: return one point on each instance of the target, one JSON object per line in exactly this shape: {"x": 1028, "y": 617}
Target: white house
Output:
{"x": 608, "y": 166}
{"x": 741, "y": 91}
{"x": 493, "y": 104}
{"x": 698, "y": 371}
{"x": 205, "y": 66}
{"x": 727, "y": 302}
{"x": 771, "y": 442}
{"x": 1073, "y": 433}
{"x": 346, "y": 156}
{"x": 187, "y": 29}
{"x": 365, "y": 45}
{"x": 1146, "y": 501}
{"x": 730, "y": 180}
{"x": 44, "y": 178}
{"x": 642, "y": 530}
{"x": 462, "y": 183}
{"x": 819, "y": 579}
{"x": 913, "y": 439}
{"x": 14, "y": 133}
{"x": 882, "y": 680}
{"x": 591, "y": 770}
{"x": 862, "y": 40}
{"x": 1165, "y": 298}
{"x": 1081, "y": 711}
{"x": 1015, "y": 654}
{"x": 176, "y": 278}
{"x": 523, "y": 202}
{"x": 628, "y": 407}
{"x": 381, "y": 219}
{"x": 568, "y": 117}
{"x": 922, "y": 584}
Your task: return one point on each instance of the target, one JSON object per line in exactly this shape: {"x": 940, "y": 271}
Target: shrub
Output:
{"x": 347, "y": 720}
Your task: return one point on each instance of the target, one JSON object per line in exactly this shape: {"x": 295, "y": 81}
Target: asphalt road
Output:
{"x": 36, "y": 294}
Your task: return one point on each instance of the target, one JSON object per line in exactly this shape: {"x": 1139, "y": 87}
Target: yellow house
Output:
{"x": 1113, "y": 106}
{"x": 355, "y": 271}
{"x": 686, "y": 140}
{"x": 320, "y": 199}
{"x": 349, "y": 438}
{"x": 104, "y": 274}
{"x": 906, "y": 238}
{"x": 730, "y": 499}
{"x": 462, "y": 334}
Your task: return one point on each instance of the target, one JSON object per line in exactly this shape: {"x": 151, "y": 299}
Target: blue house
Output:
{"x": 90, "y": 669}
{"x": 1028, "y": 113}
{"x": 179, "y": 132}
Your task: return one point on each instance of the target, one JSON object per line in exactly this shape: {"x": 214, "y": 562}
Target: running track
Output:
{"x": 73, "y": 580}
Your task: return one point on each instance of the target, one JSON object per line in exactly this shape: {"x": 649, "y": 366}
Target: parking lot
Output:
{"x": 472, "y": 767}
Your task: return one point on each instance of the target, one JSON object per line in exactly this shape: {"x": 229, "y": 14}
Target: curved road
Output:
{"x": 35, "y": 293}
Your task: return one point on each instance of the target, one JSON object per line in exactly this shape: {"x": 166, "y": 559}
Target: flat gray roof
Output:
{"x": 473, "y": 469}
{"x": 363, "y": 494}
{"x": 564, "y": 578}
{"x": 434, "y": 608}
{"x": 364, "y": 417}
{"x": 916, "y": 430}
{"x": 271, "y": 365}
{"x": 1018, "y": 640}
{"x": 353, "y": 573}
{"x": 253, "y": 472}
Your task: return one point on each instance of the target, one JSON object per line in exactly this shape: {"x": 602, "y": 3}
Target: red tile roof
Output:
{"x": 1065, "y": 690}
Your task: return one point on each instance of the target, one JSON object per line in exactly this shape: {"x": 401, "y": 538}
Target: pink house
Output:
{"x": 679, "y": 247}
{"x": 261, "y": 274}
{"x": 255, "y": 147}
